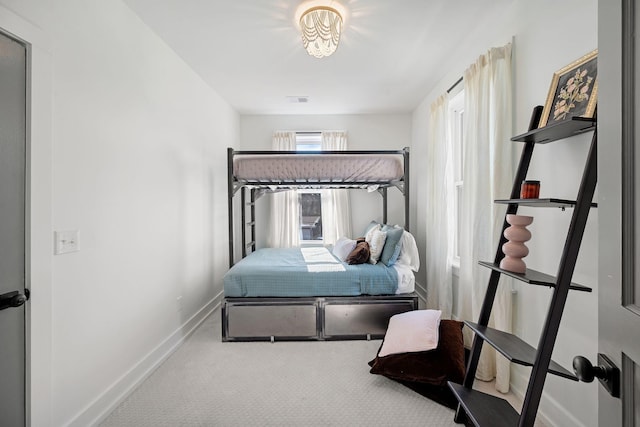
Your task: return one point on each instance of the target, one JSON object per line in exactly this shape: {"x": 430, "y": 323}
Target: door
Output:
{"x": 13, "y": 150}
{"x": 619, "y": 207}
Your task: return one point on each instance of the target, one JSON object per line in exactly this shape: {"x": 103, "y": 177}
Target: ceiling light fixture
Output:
{"x": 321, "y": 27}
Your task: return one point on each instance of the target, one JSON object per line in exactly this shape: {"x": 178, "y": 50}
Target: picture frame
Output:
{"x": 573, "y": 91}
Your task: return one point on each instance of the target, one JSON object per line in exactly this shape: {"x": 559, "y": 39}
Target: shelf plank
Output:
{"x": 515, "y": 349}
{"x": 533, "y": 277}
{"x": 484, "y": 409}
{"x": 557, "y": 131}
{"x": 544, "y": 203}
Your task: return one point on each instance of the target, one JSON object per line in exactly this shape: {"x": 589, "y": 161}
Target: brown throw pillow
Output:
{"x": 427, "y": 372}
{"x": 360, "y": 254}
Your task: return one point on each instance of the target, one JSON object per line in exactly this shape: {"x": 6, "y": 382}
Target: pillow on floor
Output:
{"x": 411, "y": 331}
{"x": 427, "y": 372}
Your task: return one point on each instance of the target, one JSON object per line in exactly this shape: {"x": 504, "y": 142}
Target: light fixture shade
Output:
{"x": 321, "y": 27}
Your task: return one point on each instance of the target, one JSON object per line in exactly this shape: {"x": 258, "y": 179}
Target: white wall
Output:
{"x": 127, "y": 147}
{"x": 365, "y": 132}
{"x": 543, "y": 43}
{"x": 138, "y": 168}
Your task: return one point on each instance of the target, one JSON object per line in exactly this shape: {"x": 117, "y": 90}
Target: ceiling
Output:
{"x": 390, "y": 55}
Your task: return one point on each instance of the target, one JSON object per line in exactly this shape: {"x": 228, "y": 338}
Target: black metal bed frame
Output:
{"x": 260, "y": 187}
{"x": 307, "y": 318}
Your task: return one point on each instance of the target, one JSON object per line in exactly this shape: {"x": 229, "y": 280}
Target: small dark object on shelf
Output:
{"x": 530, "y": 189}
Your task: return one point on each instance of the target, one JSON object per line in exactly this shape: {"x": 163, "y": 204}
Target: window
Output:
{"x": 310, "y": 200}
{"x": 308, "y": 141}
{"x": 456, "y": 126}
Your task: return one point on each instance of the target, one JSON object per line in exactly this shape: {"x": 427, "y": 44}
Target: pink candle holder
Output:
{"x": 515, "y": 249}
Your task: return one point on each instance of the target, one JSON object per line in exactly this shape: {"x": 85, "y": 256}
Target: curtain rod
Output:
{"x": 454, "y": 85}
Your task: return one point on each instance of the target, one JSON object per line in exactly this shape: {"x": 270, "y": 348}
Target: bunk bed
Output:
{"x": 307, "y": 293}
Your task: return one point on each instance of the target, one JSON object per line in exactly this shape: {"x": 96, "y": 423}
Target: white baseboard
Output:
{"x": 554, "y": 414}
{"x": 422, "y": 292}
{"x": 104, "y": 404}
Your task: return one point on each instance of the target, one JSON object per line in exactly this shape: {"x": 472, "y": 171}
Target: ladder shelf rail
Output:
{"x": 507, "y": 344}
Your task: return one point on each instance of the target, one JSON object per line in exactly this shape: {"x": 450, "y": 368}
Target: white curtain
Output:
{"x": 439, "y": 248}
{"x": 488, "y": 175}
{"x": 336, "y": 209}
{"x": 285, "y": 217}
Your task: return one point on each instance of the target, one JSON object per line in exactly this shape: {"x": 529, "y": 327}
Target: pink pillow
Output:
{"x": 411, "y": 331}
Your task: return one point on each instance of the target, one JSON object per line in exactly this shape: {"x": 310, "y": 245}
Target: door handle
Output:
{"x": 13, "y": 299}
{"x": 607, "y": 372}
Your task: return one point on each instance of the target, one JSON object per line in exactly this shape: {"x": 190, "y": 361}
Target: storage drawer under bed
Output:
{"x": 367, "y": 319}
{"x": 320, "y": 318}
{"x": 260, "y": 319}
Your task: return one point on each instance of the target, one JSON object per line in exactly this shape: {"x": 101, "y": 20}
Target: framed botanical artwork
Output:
{"x": 573, "y": 91}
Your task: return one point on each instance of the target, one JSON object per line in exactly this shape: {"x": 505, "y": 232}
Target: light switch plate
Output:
{"x": 66, "y": 242}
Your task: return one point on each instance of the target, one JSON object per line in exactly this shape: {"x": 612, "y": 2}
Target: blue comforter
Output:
{"x": 291, "y": 272}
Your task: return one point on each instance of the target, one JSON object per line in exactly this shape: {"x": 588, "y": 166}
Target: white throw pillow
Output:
{"x": 343, "y": 248}
{"x": 409, "y": 253}
{"x": 370, "y": 229}
{"x": 411, "y": 331}
{"x": 375, "y": 238}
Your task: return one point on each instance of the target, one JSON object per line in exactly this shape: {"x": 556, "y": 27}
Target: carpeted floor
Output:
{"x": 210, "y": 383}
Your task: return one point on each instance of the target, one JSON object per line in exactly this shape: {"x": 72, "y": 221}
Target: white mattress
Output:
{"x": 329, "y": 167}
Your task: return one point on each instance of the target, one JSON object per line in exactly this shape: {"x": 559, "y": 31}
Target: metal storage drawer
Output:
{"x": 361, "y": 320}
{"x": 285, "y": 320}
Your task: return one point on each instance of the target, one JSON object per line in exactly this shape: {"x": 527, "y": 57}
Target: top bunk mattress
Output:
{"x": 319, "y": 167}
{"x": 306, "y": 272}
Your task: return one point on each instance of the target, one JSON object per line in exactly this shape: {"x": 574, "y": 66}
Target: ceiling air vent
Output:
{"x": 298, "y": 99}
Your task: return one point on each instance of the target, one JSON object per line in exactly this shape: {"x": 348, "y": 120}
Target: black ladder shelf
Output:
{"x": 486, "y": 410}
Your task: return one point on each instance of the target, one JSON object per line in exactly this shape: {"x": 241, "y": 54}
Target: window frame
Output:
{"x": 308, "y": 141}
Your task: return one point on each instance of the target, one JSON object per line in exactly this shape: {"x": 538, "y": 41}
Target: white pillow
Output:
{"x": 411, "y": 331}
{"x": 409, "y": 253}
{"x": 375, "y": 238}
{"x": 343, "y": 248}
{"x": 370, "y": 229}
